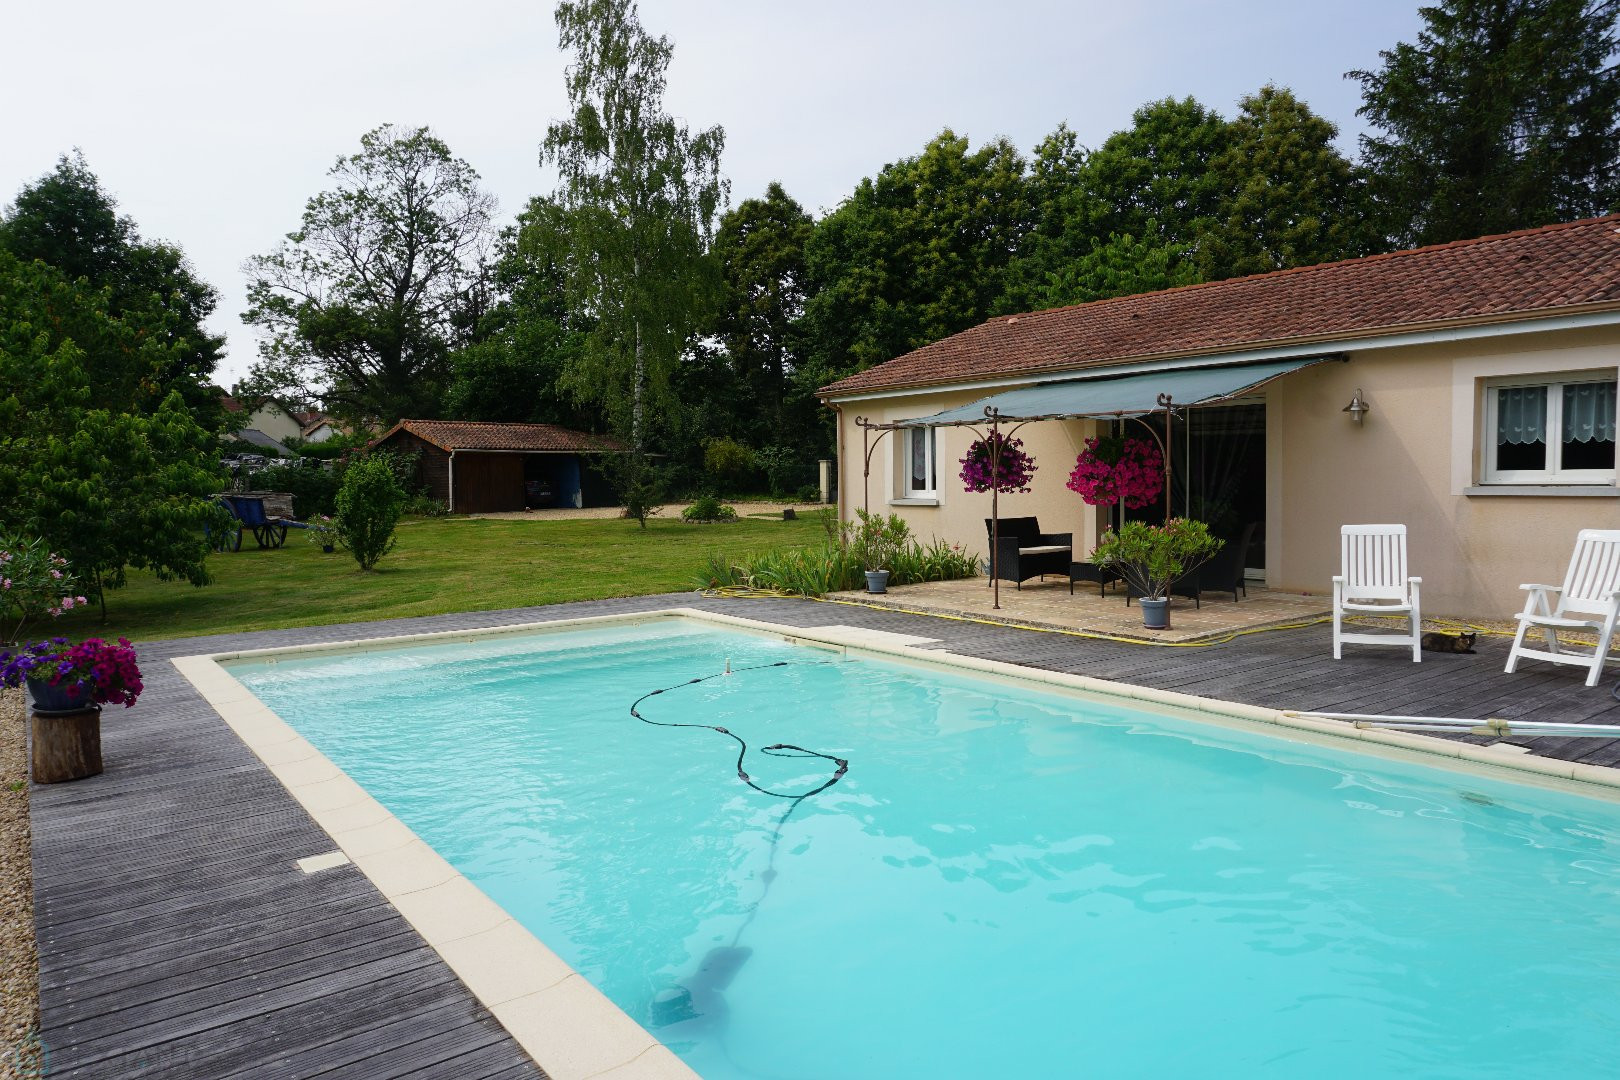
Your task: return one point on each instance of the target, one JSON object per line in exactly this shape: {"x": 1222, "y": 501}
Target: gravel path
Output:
{"x": 19, "y": 968}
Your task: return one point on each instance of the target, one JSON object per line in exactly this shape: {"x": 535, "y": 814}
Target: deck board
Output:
{"x": 177, "y": 938}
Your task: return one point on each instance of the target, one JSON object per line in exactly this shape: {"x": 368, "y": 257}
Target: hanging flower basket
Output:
{"x": 1116, "y": 469}
{"x": 997, "y": 462}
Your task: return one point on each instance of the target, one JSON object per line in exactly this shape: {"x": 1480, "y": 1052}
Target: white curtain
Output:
{"x": 1588, "y": 412}
{"x": 1521, "y": 415}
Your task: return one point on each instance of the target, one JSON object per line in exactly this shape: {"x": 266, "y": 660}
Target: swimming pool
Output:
{"x": 1007, "y": 881}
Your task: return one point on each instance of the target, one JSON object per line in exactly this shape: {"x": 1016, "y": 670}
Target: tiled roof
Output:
{"x": 473, "y": 435}
{"x": 1528, "y": 274}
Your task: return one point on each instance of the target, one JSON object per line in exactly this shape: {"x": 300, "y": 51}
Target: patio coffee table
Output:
{"x": 1085, "y": 571}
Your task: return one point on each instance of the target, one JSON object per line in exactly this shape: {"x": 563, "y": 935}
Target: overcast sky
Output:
{"x": 212, "y": 122}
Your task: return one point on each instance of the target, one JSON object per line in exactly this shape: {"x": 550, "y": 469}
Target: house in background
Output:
{"x": 1467, "y": 390}
{"x": 476, "y": 468}
{"x": 317, "y": 427}
{"x": 272, "y": 420}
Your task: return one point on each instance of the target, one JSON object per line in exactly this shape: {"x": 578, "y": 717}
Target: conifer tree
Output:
{"x": 1505, "y": 114}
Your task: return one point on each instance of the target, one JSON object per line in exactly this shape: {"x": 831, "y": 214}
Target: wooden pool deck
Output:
{"x": 178, "y": 938}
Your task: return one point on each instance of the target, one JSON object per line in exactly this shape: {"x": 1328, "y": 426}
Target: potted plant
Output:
{"x": 69, "y": 684}
{"x": 323, "y": 533}
{"x": 997, "y": 462}
{"x": 877, "y": 541}
{"x": 1152, "y": 557}
{"x": 1114, "y": 469}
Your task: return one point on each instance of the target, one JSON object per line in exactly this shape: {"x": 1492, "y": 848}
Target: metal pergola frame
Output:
{"x": 995, "y": 419}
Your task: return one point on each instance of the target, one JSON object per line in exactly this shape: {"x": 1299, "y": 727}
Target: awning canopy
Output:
{"x": 1104, "y": 396}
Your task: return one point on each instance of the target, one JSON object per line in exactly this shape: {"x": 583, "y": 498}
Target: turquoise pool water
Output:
{"x": 1006, "y": 883}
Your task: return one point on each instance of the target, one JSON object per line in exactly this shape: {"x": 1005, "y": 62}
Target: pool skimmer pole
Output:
{"x": 1490, "y": 726}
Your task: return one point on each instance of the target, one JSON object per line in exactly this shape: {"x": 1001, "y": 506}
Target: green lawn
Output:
{"x": 439, "y": 565}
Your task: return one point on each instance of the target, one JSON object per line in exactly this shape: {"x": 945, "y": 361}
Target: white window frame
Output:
{"x": 1553, "y": 425}
{"x": 932, "y": 456}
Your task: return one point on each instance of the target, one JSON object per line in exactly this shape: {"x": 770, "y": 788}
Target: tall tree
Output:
{"x": 68, "y": 220}
{"x": 1155, "y": 180}
{"x": 514, "y": 365}
{"x": 1118, "y": 266}
{"x": 760, "y": 251}
{"x": 1064, "y": 217}
{"x": 1504, "y": 115}
{"x": 638, "y": 197}
{"x": 917, "y": 253}
{"x": 1288, "y": 197}
{"x": 110, "y": 484}
{"x": 362, "y": 303}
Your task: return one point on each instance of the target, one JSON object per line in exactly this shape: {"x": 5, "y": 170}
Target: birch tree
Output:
{"x": 638, "y": 195}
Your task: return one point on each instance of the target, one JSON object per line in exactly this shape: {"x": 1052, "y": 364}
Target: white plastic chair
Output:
{"x": 1591, "y": 588}
{"x": 1373, "y": 581}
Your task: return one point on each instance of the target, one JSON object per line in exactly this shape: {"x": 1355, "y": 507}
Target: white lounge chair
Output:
{"x": 1592, "y": 589}
{"x": 1373, "y": 581}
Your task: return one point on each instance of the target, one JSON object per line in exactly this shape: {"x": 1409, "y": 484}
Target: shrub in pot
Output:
{"x": 1151, "y": 557}
{"x": 876, "y": 541}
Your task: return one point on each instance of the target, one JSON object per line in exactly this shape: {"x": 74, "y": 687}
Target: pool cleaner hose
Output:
{"x": 703, "y": 996}
{"x": 774, "y": 750}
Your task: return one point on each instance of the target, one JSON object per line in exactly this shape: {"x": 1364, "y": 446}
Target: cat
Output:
{"x": 1454, "y": 643}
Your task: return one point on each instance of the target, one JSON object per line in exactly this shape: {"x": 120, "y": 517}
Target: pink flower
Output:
{"x": 1118, "y": 470}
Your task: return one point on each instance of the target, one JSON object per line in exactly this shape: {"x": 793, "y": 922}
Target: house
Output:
{"x": 265, "y": 443}
{"x": 1467, "y": 390}
{"x": 275, "y": 421}
{"x": 317, "y": 427}
{"x": 478, "y": 468}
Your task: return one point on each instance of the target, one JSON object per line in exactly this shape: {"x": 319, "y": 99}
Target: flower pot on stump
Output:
{"x": 65, "y": 734}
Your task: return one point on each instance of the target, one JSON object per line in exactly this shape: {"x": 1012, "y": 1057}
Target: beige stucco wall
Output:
{"x": 959, "y": 515}
{"x": 1411, "y": 461}
{"x": 271, "y": 420}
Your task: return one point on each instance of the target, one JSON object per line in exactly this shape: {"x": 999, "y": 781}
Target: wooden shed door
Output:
{"x": 488, "y": 483}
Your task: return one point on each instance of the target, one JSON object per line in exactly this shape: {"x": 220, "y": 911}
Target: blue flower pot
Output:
{"x": 57, "y": 699}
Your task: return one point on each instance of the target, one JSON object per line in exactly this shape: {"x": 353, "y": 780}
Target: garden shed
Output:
{"x": 480, "y": 468}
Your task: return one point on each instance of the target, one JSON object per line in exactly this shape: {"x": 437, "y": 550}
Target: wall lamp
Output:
{"x": 1358, "y": 408}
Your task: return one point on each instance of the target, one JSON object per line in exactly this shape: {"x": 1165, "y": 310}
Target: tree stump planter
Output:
{"x": 67, "y": 745}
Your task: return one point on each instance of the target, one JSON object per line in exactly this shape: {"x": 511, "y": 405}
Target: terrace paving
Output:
{"x": 178, "y": 938}
{"x": 1047, "y": 603}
